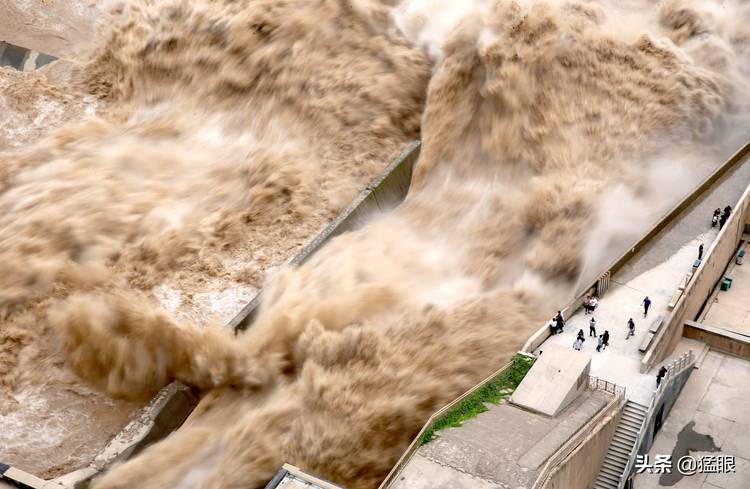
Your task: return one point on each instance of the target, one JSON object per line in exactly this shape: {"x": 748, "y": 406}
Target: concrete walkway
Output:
{"x": 620, "y": 362}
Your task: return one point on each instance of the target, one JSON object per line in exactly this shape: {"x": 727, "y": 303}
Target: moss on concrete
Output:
{"x": 493, "y": 391}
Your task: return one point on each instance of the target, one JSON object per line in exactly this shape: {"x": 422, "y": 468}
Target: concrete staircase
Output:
{"x": 621, "y": 446}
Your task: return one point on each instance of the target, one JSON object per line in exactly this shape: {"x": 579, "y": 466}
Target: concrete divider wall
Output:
{"x": 581, "y": 467}
{"x": 705, "y": 278}
{"x": 384, "y": 193}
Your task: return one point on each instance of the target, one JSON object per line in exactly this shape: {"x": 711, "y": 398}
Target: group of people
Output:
{"x": 557, "y": 324}
{"x": 720, "y": 218}
{"x": 603, "y": 338}
{"x": 589, "y": 305}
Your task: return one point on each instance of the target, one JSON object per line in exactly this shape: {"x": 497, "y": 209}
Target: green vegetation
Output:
{"x": 493, "y": 391}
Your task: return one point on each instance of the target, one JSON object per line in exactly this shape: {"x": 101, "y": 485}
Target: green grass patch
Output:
{"x": 493, "y": 391}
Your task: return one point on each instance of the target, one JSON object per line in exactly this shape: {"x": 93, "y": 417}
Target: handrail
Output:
{"x": 414, "y": 445}
{"x": 605, "y": 385}
{"x": 685, "y": 360}
{"x": 595, "y": 383}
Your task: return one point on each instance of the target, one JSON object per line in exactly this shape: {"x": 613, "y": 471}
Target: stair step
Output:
{"x": 616, "y": 467}
{"x": 623, "y": 446}
{"x": 612, "y": 472}
{"x": 630, "y": 425}
{"x": 626, "y": 432}
{"x": 632, "y": 417}
{"x": 620, "y": 452}
{"x": 636, "y": 407}
{"x": 617, "y": 458}
{"x": 608, "y": 478}
{"x": 625, "y": 437}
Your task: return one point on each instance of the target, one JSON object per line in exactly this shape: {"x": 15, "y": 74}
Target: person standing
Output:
{"x": 553, "y": 326}
{"x": 605, "y": 339}
{"x": 600, "y": 344}
{"x": 662, "y": 373}
{"x": 631, "y": 328}
{"x": 646, "y": 304}
{"x": 715, "y": 218}
{"x": 592, "y": 327}
{"x": 579, "y": 343}
{"x": 700, "y": 252}
{"x": 560, "y": 321}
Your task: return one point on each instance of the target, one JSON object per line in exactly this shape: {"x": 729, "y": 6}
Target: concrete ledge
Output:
{"x": 163, "y": 414}
{"x": 718, "y": 338}
{"x": 291, "y": 477}
{"x": 12, "y": 477}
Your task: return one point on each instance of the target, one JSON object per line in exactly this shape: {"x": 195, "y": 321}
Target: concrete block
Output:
{"x": 643, "y": 347}
{"x": 557, "y": 378}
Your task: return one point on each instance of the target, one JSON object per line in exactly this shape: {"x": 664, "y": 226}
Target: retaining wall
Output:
{"x": 719, "y": 338}
{"x": 698, "y": 291}
{"x": 581, "y": 467}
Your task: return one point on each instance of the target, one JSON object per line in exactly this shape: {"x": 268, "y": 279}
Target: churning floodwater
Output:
{"x": 230, "y": 131}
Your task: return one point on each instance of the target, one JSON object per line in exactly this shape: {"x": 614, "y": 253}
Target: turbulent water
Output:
{"x": 231, "y": 126}
{"x": 226, "y": 135}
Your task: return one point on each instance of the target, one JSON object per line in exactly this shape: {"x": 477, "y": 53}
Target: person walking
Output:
{"x": 592, "y": 327}
{"x": 662, "y": 373}
{"x": 600, "y": 344}
{"x": 631, "y": 328}
{"x": 646, "y": 304}
{"x": 700, "y": 252}
{"x": 605, "y": 339}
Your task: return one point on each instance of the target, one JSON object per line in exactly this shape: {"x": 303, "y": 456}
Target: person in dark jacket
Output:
{"x": 605, "y": 338}
{"x": 660, "y": 375}
{"x": 631, "y": 328}
{"x": 592, "y": 327}
{"x": 646, "y": 304}
{"x": 700, "y": 252}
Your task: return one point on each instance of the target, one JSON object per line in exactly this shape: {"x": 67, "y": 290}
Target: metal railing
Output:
{"x": 605, "y": 385}
{"x": 685, "y": 360}
{"x": 594, "y": 383}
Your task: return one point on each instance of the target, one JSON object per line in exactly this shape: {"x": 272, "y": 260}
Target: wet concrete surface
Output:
{"x": 688, "y": 441}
